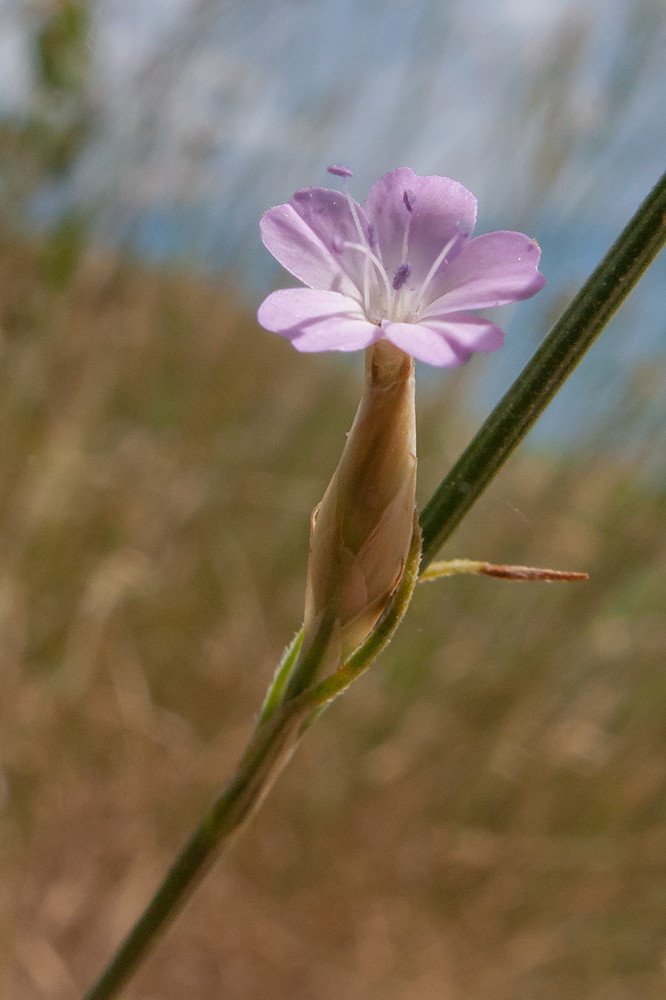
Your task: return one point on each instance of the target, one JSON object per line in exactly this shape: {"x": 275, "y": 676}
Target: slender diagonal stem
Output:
{"x": 282, "y": 722}
{"x": 269, "y": 749}
{"x": 267, "y": 753}
{"x": 577, "y": 329}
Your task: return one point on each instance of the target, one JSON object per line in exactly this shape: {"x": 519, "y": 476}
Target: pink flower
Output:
{"x": 404, "y": 267}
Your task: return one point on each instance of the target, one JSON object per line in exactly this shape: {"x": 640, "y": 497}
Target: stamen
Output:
{"x": 371, "y": 258}
{"x": 364, "y": 242}
{"x": 367, "y": 242}
{"x": 409, "y": 200}
{"x": 401, "y": 276}
{"x": 357, "y": 221}
{"x": 340, "y": 171}
{"x": 435, "y": 267}
{"x": 337, "y": 244}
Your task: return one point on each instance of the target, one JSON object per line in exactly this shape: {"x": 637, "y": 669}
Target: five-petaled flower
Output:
{"x": 404, "y": 267}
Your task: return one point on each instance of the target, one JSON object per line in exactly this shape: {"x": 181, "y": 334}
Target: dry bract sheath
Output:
{"x": 362, "y": 530}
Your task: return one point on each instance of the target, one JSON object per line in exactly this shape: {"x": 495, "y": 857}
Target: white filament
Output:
{"x": 433, "y": 270}
{"x": 370, "y": 257}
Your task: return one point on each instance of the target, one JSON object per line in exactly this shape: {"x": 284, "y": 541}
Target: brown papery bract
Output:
{"x": 362, "y": 529}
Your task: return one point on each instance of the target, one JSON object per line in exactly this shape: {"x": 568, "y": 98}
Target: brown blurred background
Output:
{"x": 482, "y": 817}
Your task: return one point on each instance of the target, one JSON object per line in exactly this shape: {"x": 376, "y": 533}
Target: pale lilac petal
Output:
{"x": 426, "y": 344}
{"x": 491, "y": 270}
{"x": 442, "y": 210}
{"x": 307, "y": 236}
{"x": 317, "y": 320}
{"x": 408, "y": 253}
{"x": 469, "y": 332}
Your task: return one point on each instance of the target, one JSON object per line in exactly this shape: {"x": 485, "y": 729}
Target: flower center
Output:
{"x": 382, "y": 298}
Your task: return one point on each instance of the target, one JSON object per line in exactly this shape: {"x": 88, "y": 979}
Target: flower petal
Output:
{"x": 317, "y": 321}
{"x": 427, "y": 344}
{"x": 441, "y": 210}
{"x": 307, "y": 236}
{"x": 469, "y": 332}
{"x": 491, "y": 270}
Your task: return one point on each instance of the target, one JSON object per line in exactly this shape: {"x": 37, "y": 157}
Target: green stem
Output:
{"x": 268, "y": 751}
{"x": 604, "y": 291}
{"x": 310, "y": 659}
{"x": 276, "y": 689}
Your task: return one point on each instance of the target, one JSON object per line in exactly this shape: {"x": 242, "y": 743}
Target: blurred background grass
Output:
{"x": 484, "y": 815}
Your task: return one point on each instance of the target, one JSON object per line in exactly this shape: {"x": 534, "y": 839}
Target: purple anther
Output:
{"x": 401, "y": 276}
{"x": 409, "y": 199}
{"x": 339, "y": 171}
{"x": 337, "y": 244}
{"x": 372, "y": 236}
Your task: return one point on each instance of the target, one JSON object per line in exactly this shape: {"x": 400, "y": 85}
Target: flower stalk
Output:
{"x": 285, "y": 716}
